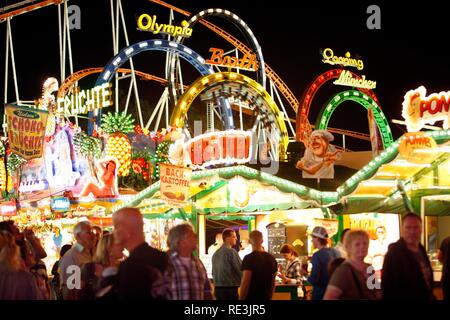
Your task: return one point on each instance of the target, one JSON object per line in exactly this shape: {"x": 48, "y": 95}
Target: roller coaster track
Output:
{"x": 276, "y": 79}
{"x": 26, "y": 9}
{"x": 70, "y": 80}
{"x": 348, "y": 133}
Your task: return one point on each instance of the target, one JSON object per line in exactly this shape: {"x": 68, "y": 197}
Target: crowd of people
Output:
{"x": 121, "y": 265}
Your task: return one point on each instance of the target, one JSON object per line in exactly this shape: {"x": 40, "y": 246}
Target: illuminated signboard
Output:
{"x": 174, "y": 184}
{"x": 347, "y": 61}
{"x": 148, "y": 23}
{"x": 8, "y": 208}
{"x": 413, "y": 142}
{"x": 213, "y": 148}
{"x": 60, "y": 204}
{"x": 247, "y": 62}
{"x": 419, "y": 110}
{"x": 85, "y": 101}
{"x": 26, "y": 130}
{"x": 347, "y": 79}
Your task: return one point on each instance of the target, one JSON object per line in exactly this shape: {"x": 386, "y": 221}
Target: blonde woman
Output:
{"x": 98, "y": 276}
{"x": 350, "y": 280}
{"x": 15, "y": 283}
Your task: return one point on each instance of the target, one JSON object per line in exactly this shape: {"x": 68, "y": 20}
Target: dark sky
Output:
{"x": 410, "y": 49}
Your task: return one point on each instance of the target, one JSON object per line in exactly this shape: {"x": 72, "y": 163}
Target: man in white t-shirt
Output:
{"x": 213, "y": 248}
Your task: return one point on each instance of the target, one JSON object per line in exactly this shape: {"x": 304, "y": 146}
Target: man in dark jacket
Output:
{"x": 143, "y": 275}
{"x": 407, "y": 272}
{"x": 444, "y": 258}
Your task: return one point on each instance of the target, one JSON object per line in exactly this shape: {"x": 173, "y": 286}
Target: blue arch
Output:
{"x": 186, "y": 53}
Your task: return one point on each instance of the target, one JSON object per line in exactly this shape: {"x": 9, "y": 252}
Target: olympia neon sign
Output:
{"x": 85, "y": 101}
{"x": 148, "y": 23}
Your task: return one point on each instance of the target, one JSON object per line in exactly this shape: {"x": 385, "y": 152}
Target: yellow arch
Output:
{"x": 185, "y": 101}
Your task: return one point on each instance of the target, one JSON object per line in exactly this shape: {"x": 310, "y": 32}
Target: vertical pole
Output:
{"x": 69, "y": 46}
{"x": 201, "y": 234}
{"x": 343, "y": 141}
{"x": 5, "y": 97}
{"x": 13, "y": 62}
{"x": 116, "y": 50}
{"x": 422, "y": 215}
{"x": 63, "y": 72}
{"x": 61, "y": 66}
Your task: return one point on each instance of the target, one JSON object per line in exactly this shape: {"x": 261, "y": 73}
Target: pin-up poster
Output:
{"x": 26, "y": 130}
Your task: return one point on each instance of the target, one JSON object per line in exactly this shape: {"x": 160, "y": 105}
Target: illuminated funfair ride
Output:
{"x": 229, "y": 97}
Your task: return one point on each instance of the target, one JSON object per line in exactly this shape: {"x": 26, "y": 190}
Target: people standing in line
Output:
{"x": 21, "y": 237}
{"x": 36, "y": 267}
{"x": 74, "y": 259}
{"x": 99, "y": 276}
{"x": 15, "y": 283}
{"x": 320, "y": 260}
{"x": 340, "y": 246}
{"x": 407, "y": 272}
{"x": 216, "y": 245}
{"x": 292, "y": 273}
{"x": 444, "y": 258}
{"x": 350, "y": 279}
{"x": 189, "y": 280}
{"x": 55, "y": 283}
{"x": 226, "y": 268}
{"x": 142, "y": 275}
{"x": 259, "y": 269}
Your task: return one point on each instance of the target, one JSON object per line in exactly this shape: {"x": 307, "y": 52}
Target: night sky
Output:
{"x": 410, "y": 49}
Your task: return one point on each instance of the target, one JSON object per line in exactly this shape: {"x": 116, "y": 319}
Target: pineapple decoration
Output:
{"x": 118, "y": 145}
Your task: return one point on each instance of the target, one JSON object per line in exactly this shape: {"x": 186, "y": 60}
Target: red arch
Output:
{"x": 303, "y": 127}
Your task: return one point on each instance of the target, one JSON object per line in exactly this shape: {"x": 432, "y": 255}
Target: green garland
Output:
{"x": 118, "y": 122}
{"x": 161, "y": 156}
{"x": 2, "y": 149}
{"x": 14, "y": 162}
{"x": 87, "y": 145}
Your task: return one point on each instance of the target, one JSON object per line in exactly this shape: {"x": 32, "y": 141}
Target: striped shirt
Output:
{"x": 189, "y": 280}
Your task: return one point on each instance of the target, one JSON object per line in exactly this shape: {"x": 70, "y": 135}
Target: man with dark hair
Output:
{"x": 226, "y": 268}
{"x": 259, "y": 270}
{"x": 407, "y": 272}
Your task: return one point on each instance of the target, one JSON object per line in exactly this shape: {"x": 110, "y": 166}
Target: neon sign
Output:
{"x": 147, "y": 23}
{"x": 330, "y": 58}
{"x": 418, "y": 109}
{"x": 412, "y": 141}
{"x": 213, "y": 148}
{"x": 85, "y": 101}
{"x": 247, "y": 62}
{"x": 8, "y": 208}
{"x": 346, "y": 79}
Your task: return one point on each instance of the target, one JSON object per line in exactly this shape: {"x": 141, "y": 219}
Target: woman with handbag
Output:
{"x": 354, "y": 279}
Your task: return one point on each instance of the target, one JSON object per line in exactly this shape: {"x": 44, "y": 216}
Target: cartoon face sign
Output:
{"x": 319, "y": 145}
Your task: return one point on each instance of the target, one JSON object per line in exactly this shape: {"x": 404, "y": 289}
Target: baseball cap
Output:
{"x": 319, "y": 232}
